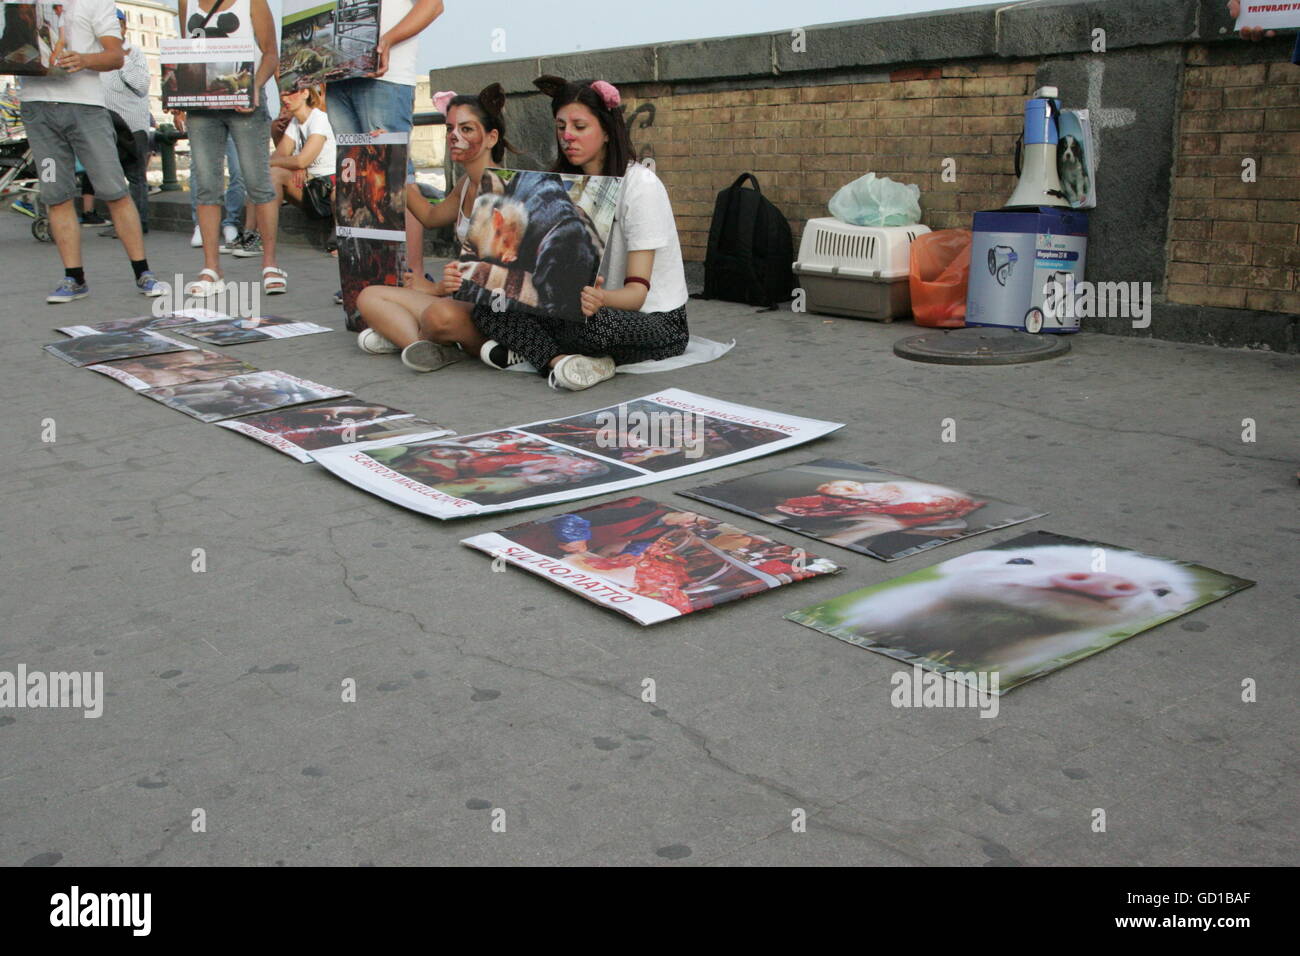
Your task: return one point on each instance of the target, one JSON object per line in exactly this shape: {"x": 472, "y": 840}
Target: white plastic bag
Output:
{"x": 877, "y": 201}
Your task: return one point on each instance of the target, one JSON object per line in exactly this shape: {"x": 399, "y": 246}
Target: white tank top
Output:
{"x": 462, "y": 220}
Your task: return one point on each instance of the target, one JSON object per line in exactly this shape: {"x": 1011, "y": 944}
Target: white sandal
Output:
{"x": 275, "y": 281}
{"x": 208, "y": 283}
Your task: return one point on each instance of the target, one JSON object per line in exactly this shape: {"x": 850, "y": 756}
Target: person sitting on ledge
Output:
{"x": 635, "y": 312}
{"x": 476, "y": 139}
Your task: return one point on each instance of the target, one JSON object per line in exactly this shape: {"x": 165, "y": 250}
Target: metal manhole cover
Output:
{"x": 981, "y": 346}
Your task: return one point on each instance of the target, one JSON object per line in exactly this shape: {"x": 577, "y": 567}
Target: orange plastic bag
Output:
{"x": 940, "y": 270}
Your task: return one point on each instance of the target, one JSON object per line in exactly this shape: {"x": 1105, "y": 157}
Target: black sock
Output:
{"x": 141, "y": 266}
{"x": 79, "y": 274}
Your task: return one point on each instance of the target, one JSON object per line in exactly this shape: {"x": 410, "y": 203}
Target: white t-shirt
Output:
{"x": 84, "y": 22}
{"x": 644, "y": 220}
{"x": 299, "y": 133}
{"x": 401, "y": 58}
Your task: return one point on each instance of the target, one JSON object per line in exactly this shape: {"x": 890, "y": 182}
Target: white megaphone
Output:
{"x": 1039, "y": 183}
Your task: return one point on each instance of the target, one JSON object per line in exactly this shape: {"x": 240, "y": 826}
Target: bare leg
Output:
{"x": 126, "y": 222}
{"x": 268, "y": 221}
{"x": 414, "y": 244}
{"x": 210, "y": 230}
{"x": 394, "y": 313}
{"x": 449, "y": 322}
{"x": 66, "y": 230}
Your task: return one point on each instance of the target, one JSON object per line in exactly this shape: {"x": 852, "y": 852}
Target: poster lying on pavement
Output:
{"x": 168, "y": 320}
{"x": 172, "y": 368}
{"x": 650, "y": 561}
{"x": 241, "y": 395}
{"x": 305, "y": 428}
{"x": 664, "y": 435}
{"x": 260, "y": 328}
{"x": 1020, "y": 609}
{"x": 864, "y": 509}
{"x": 369, "y": 213}
{"x": 536, "y": 239}
{"x": 90, "y": 349}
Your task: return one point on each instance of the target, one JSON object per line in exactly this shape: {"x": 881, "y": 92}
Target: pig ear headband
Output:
{"x": 608, "y": 93}
{"x": 440, "y": 100}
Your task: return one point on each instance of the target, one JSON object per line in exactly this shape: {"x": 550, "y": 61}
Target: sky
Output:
{"x": 464, "y": 32}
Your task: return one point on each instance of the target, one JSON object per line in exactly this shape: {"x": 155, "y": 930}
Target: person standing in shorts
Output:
{"x": 385, "y": 102}
{"x": 66, "y": 119}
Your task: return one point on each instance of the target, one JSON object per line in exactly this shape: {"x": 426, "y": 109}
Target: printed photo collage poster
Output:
{"x": 536, "y": 239}
{"x": 664, "y": 435}
{"x": 370, "y": 214}
{"x": 211, "y": 69}
{"x": 650, "y": 561}
{"x": 321, "y": 42}
{"x": 862, "y": 508}
{"x": 31, "y": 38}
{"x": 302, "y": 429}
{"x": 997, "y": 618}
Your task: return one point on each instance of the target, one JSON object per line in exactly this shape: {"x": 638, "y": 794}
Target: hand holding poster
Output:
{"x": 369, "y": 213}
{"x": 655, "y": 438}
{"x": 1268, "y": 15}
{"x": 536, "y": 240}
{"x": 214, "y": 73}
{"x": 649, "y": 561}
{"x": 31, "y": 37}
{"x": 330, "y": 40}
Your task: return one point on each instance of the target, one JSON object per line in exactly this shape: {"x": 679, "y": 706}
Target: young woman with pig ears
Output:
{"x": 476, "y": 140}
{"x": 636, "y": 311}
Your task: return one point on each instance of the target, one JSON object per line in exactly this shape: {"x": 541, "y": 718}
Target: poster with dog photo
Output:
{"x": 864, "y": 509}
{"x": 521, "y": 467}
{"x": 370, "y": 214}
{"x": 207, "y": 73}
{"x": 650, "y": 561}
{"x": 90, "y": 349}
{"x": 305, "y": 428}
{"x": 537, "y": 239}
{"x": 31, "y": 37}
{"x": 322, "y": 42}
{"x": 172, "y": 368}
{"x": 241, "y": 395}
{"x": 1076, "y": 159}
{"x": 1020, "y": 609}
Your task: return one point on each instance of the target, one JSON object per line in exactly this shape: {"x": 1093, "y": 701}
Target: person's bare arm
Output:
{"x": 422, "y": 13}
{"x": 629, "y": 298}
{"x": 284, "y": 156}
{"x": 431, "y": 215}
{"x": 264, "y": 32}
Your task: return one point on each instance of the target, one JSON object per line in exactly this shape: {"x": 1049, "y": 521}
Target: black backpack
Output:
{"x": 751, "y": 249}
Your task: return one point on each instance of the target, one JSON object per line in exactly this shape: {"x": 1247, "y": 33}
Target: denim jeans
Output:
{"x": 234, "y": 212}
{"x": 251, "y": 134}
{"x": 364, "y": 104}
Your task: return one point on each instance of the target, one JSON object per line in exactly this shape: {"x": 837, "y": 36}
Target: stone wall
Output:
{"x": 907, "y": 97}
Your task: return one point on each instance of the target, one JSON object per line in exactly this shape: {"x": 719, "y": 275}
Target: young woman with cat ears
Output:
{"x": 476, "y": 140}
{"x": 636, "y": 311}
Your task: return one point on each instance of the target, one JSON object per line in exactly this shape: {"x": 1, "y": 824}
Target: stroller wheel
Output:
{"x": 41, "y": 229}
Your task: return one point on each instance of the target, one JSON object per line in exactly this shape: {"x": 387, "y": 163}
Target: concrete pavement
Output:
{"x": 479, "y": 691}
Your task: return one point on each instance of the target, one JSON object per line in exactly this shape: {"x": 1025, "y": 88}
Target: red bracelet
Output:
{"x": 630, "y": 279}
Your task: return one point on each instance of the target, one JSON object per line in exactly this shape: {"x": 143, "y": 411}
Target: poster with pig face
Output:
{"x": 322, "y": 42}
{"x": 864, "y": 509}
{"x": 369, "y": 214}
{"x": 1020, "y": 609}
{"x": 31, "y": 37}
{"x": 536, "y": 240}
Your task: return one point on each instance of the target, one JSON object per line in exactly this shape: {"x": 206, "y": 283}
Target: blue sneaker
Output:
{"x": 68, "y": 290}
{"x": 149, "y": 285}
{"x": 24, "y": 207}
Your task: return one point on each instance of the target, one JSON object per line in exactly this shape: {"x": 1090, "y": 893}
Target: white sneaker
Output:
{"x": 196, "y": 240}
{"x": 576, "y": 372}
{"x": 371, "y": 341}
{"x": 229, "y": 233}
{"x": 425, "y": 356}
{"x": 498, "y": 356}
